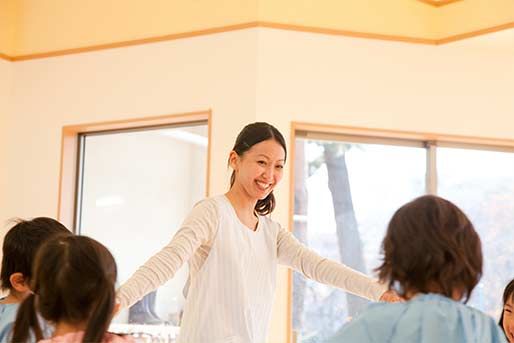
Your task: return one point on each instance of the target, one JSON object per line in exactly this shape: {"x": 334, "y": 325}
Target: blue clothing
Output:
{"x": 7, "y": 318}
{"x": 427, "y": 318}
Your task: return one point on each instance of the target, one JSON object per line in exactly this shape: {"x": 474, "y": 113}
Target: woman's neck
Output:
{"x": 241, "y": 202}
{"x": 62, "y": 328}
{"x": 243, "y": 206}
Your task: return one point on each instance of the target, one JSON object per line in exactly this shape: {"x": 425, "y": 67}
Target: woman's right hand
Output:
{"x": 116, "y": 309}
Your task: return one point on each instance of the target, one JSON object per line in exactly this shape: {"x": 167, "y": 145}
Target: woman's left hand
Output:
{"x": 391, "y": 296}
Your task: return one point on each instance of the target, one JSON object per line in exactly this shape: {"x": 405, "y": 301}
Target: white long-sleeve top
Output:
{"x": 232, "y": 272}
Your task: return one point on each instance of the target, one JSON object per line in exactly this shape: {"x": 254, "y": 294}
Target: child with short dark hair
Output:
{"x": 20, "y": 245}
{"x": 507, "y": 317}
{"x": 73, "y": 286}
{"x": 433, "y": 258}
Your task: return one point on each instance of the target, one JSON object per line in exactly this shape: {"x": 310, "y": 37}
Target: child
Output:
{"x": 73, "y": 286}
{"x": 19, "y": 248}
{"x": 433, "y": 258}
{"x": 507, "y": 318}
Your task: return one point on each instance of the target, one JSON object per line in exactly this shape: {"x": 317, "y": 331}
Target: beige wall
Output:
{"x": 258, "y": 74}
{"x": 215, "y": 72}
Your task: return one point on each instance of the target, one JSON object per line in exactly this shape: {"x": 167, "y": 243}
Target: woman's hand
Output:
{"x": 391, "y": 296}
{"x": 116, "y": 309}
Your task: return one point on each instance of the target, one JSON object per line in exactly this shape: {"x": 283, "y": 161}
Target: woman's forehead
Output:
{"x": 269, "y": 148}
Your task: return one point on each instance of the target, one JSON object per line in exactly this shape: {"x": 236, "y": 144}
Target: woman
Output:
{"x": 233, "y": 247}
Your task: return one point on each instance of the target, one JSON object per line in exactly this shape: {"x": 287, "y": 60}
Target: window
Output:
{"x": 135, "y": 189}
{"x": 348, "y": 187}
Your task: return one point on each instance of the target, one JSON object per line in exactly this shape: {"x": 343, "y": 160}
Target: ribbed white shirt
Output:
{"x": 232, "y": 272}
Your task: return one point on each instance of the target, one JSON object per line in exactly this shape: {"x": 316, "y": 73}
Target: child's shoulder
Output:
{"x": 8, "y": 312}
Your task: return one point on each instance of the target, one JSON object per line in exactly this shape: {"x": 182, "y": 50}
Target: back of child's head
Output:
{"x": 73, "y": 282}
{"x": 21, "y": 243}
{"x": 431, "y": 247}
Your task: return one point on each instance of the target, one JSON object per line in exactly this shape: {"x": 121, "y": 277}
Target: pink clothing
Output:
{"x": 75, "y": 337}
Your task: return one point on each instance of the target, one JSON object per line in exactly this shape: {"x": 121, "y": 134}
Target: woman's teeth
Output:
{"x": 263, "y": 185}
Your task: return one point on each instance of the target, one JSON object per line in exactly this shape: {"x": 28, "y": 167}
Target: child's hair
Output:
{"x": 21, "y": 243}
{"x": 508, "y": 293}
{"x": 73, "y": 282}
{"x": 431, "y": 246}
{"x": 250, "y": 135}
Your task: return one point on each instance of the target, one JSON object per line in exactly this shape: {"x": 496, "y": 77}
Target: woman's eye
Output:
{"x": 263, "y": 163}
{"x": 507, "y": 310}
{"x": 280, "y": 167}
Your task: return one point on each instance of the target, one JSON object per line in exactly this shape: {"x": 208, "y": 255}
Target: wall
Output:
{"x": 258, "y": 74}
{"x": 216, "y": 71}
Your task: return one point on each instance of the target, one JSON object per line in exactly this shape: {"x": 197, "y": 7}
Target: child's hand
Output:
{"x": 391, "y": 297}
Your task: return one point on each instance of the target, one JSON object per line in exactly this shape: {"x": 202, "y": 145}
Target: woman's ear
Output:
{"x": 19, "y": 282}
{"x": 233, "y": 160}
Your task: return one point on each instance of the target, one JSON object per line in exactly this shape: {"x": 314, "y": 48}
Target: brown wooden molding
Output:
{"x": 439, "y": 3}
{"x": 446, "y": 139}
{"x": 6, "y": 57}
{"x": 257, "y": 24}
{"x": 347, "y": 33}
{"x": 134, "y": 42}
{"x": 476, "y": 33}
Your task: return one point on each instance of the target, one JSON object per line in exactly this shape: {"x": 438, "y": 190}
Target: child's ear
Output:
{"x": 19, "y": 282}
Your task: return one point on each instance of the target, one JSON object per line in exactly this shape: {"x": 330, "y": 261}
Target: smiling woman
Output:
{"x": 233, "y": 248}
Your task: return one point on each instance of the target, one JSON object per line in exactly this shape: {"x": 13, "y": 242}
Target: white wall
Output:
{"x": 258, "y": 74}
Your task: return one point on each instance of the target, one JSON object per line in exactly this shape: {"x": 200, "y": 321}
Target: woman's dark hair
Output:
{"x": 508, "y": 293}
{"x": 431, "y": 246}
{"x": 73, "y": 281}
{"x": 21, "y": 243}
{"x": 250, "y": 135}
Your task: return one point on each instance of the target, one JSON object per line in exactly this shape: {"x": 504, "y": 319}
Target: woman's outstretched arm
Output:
{"x": 294, "y": 254}
{"x": 198, "y": 229}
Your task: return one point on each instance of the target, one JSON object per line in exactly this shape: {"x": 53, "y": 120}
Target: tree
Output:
{"x": 300, "y": 228}
{"x": 348, "y": 237}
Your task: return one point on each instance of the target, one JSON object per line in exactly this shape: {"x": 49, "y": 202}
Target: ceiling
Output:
{"x": 33, "y": 29}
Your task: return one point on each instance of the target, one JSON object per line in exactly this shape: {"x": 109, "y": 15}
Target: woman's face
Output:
{"x": 508, "y": 320}
{"x": 259, "y": 169}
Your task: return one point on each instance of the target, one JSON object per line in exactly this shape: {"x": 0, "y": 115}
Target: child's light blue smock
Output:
{"x": 427, "y": 318}
{"x": 7, "y": 318}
